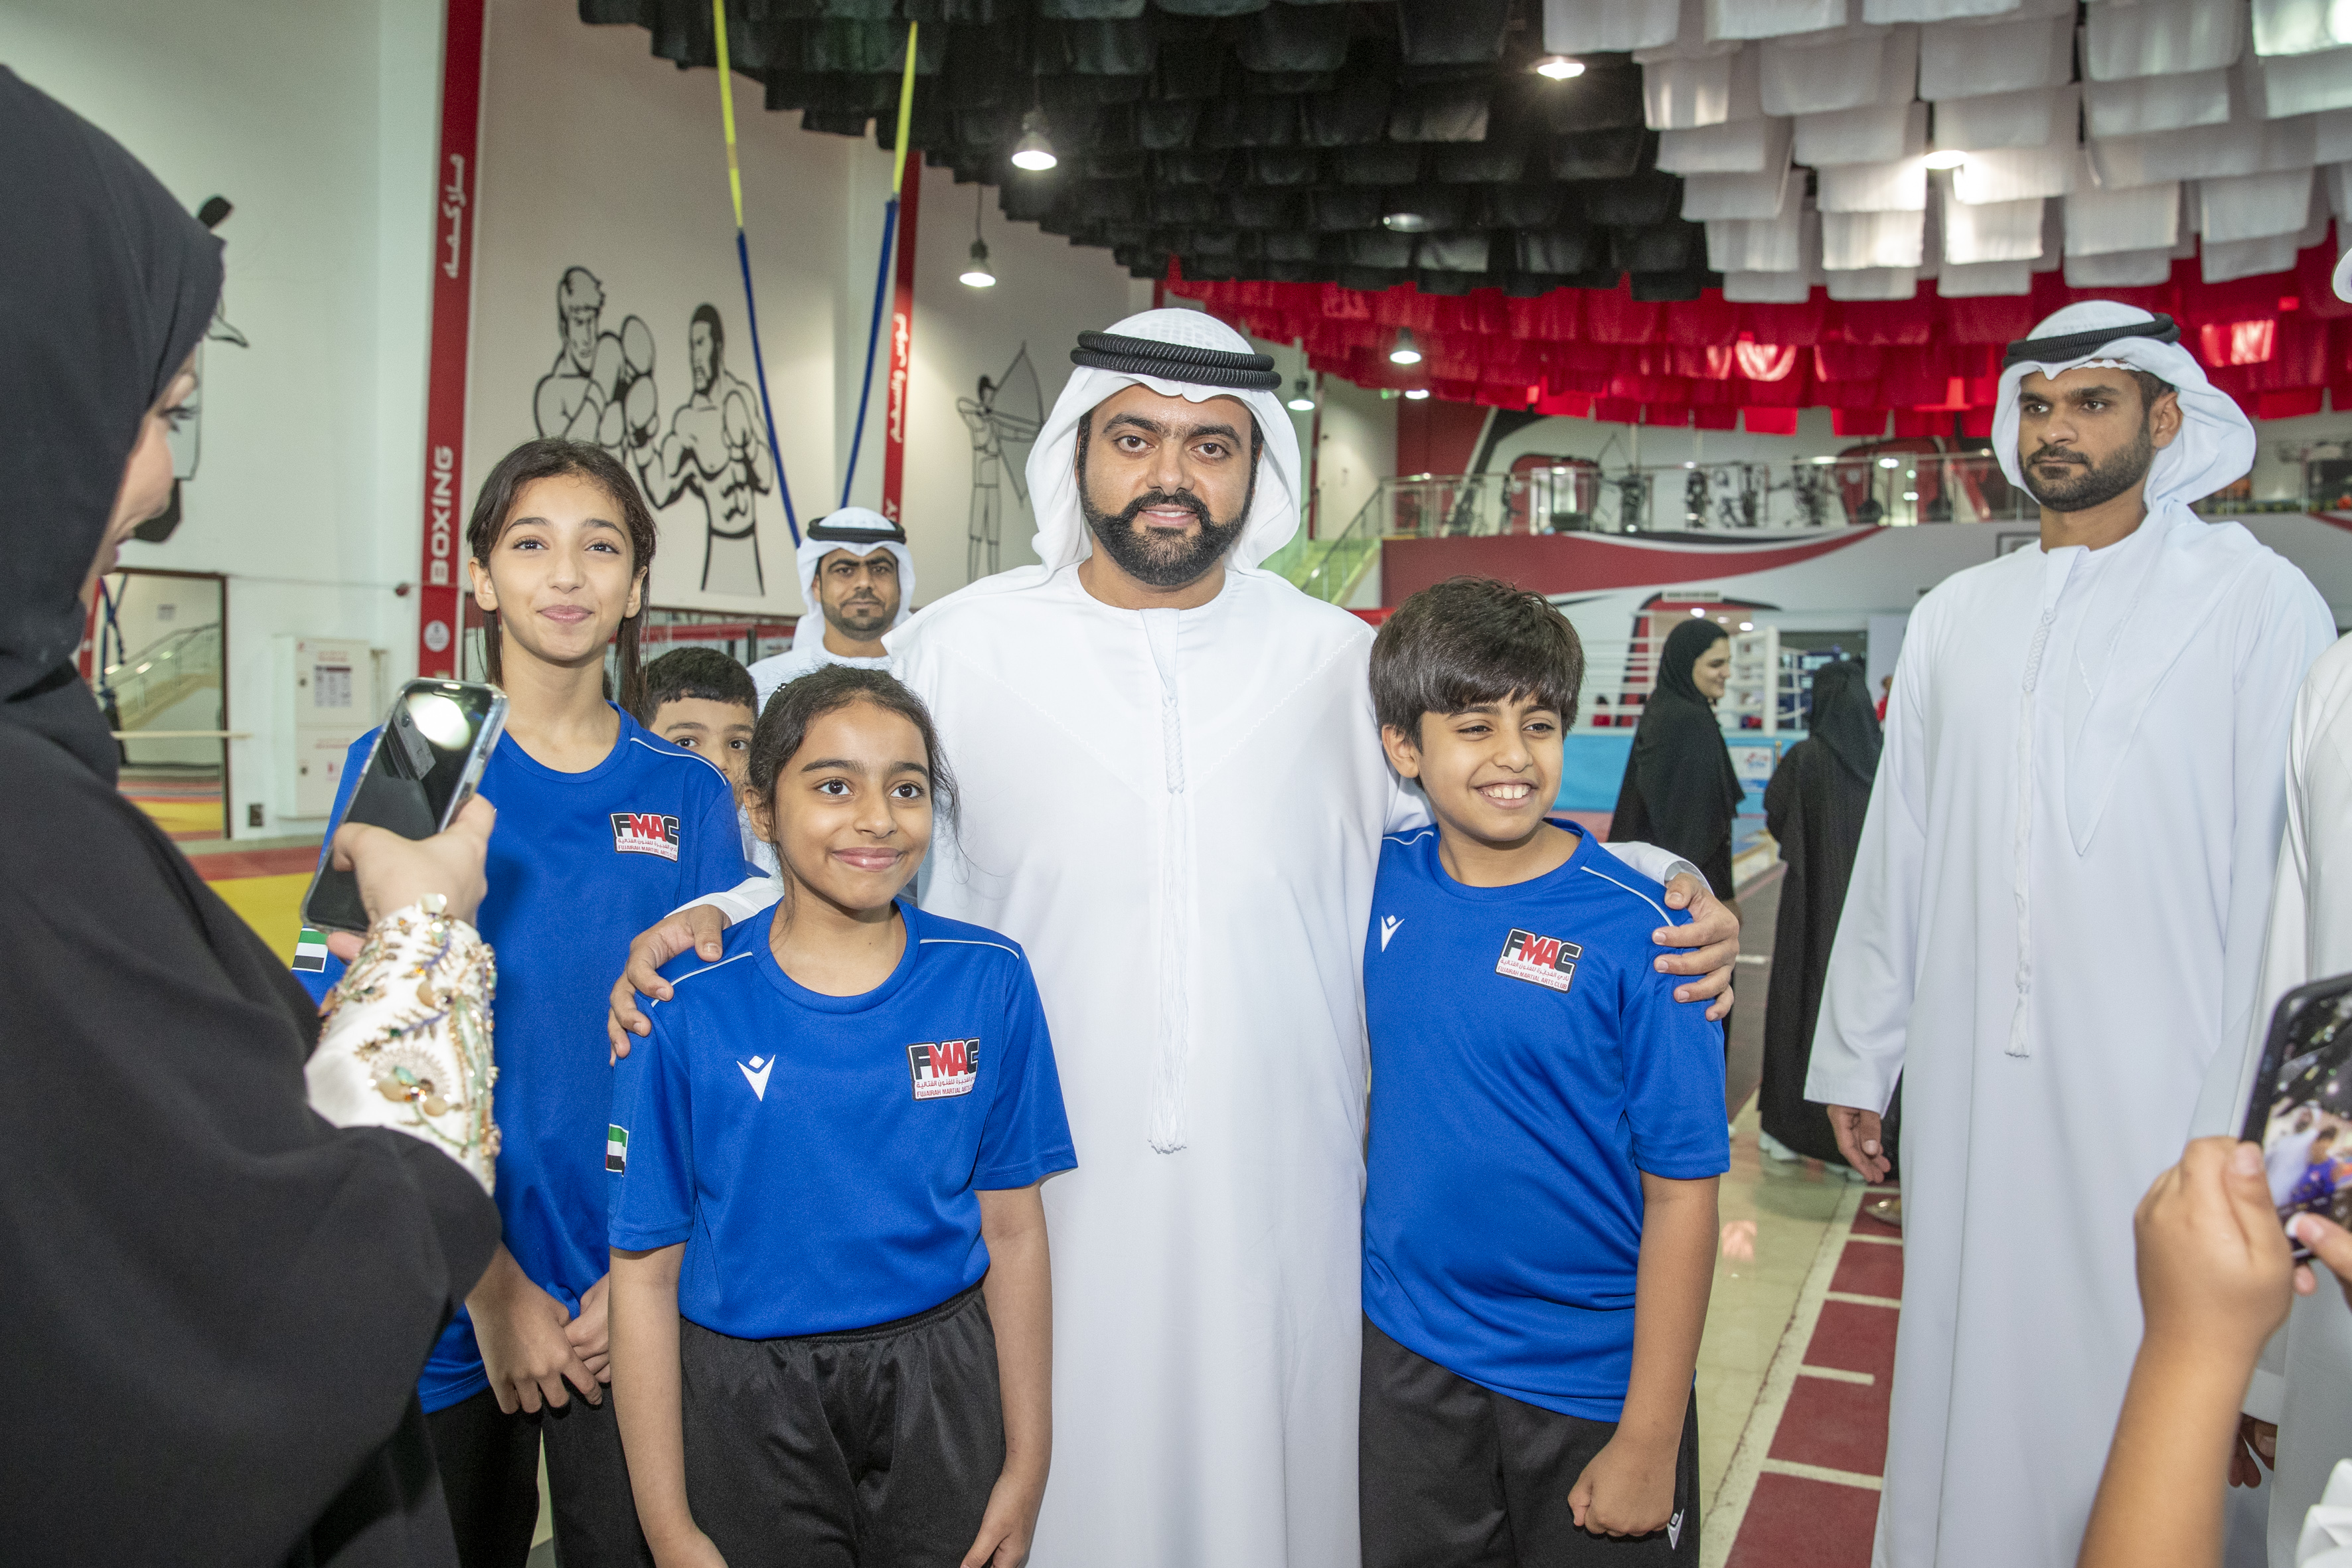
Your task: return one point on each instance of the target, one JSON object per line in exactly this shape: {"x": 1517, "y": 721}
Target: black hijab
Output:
{"x": 106, "y": 286}
{"x": 1844, "y": 721}
{"x": 1680, "y": 791}
{"x": 219, "y": 1304}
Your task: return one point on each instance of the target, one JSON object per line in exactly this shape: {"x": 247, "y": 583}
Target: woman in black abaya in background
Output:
{"x": 1680, "y": 790}
{"x": 217, "y": 1302}
{"x": 1813, "y": 807}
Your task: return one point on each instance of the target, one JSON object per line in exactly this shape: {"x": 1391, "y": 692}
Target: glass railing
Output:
{"x": 161, "y": 674}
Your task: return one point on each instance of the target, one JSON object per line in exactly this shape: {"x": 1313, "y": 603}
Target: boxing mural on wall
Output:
{"x": 601, "y": 389}
{"x": 1004, "y": 416}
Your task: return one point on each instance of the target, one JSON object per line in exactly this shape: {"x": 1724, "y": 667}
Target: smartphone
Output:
{"x": 427, "y": 759}
{"x": 2301, "y": 1110}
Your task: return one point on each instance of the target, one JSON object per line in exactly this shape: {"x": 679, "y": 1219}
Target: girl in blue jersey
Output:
{"x": 601, "y": 829}
{"x": 832, "y": 1315}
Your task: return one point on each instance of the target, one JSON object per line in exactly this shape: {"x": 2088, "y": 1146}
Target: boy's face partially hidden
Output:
{"x": 1491, "y": 772}
{"x": 718, "y": 730}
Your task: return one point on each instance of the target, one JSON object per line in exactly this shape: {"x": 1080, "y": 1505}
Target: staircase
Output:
{"x": 163, "y": 673}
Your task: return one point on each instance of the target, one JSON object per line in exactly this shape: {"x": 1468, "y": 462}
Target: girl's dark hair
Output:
{"x": 551, "y": 458}
{"x": 800, "y": 703}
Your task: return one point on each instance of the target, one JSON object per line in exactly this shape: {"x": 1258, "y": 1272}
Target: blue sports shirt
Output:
{"x": 1527, "y": 1066}
{"x": 579, "y": 864}
{"x": 819, "y": 1155}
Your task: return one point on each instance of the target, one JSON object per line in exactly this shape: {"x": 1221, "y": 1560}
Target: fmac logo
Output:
{"x": 1546, "y": 960}
{"x": 644, "y": 833}
{"x": 948, "y": 1068}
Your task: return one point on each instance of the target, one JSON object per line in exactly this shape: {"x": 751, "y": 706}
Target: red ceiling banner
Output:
{"x": 2275, "y": 342}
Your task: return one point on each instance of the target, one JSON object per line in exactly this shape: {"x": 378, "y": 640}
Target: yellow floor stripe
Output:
{"x": 272, "y": 906}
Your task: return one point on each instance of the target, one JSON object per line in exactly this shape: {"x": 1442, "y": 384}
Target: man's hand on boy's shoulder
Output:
{"x": 1710, "y": 943}
{"x": 1627, "y": 1490}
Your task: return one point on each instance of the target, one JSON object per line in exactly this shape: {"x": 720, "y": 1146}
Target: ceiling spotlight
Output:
{"x": 1415, "y": 394}
{"x": 1033, "y": 152}
{"x": 977, "y": 275}
{"x": 1406, "y": 351}
{"x": 1299, "y": 402}
{"x": 1823, "y": 462}
{"x": 1696, "y": 611}
{"x": 1405, "y": 223}
{"x": 1558, "y": 67}
{"x": 1910, "y": 495}
{"x": 1890, "y": 462}
{"x": 1747, "y": 625}
{"x": 1946, "y": 159}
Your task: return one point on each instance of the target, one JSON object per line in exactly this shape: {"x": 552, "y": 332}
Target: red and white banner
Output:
{"x": 440, "y": 582}
{"x": 902, "y": 343}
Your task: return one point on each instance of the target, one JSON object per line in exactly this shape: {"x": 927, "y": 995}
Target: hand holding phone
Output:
{"x": 426, "y": 760}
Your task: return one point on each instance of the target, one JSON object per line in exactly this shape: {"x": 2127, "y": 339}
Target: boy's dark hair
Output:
{"x": 703, "y": 672}
{"x": 798, "y": 704}
{"x": 551, "y": 458}
{"x": 1470, "y": 640}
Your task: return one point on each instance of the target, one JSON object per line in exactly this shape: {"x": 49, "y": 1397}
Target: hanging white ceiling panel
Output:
{"x": 1853, "y": 69}
{"x": 2029, "y": 119}
{"x": 2301, "y": 27}
{"x": 1874, "y": 283}
{"x": 1594, "y": 26}
{"x": 2143, "y": 104}
{"x": 2253, "y": 206}
{"x": 2157, "y": 38}
{"x": 2108, "y": 223}
{"x": 2014, "y": 174}
{"x": 1991, "y": 231}
{"x": 1977, "y": 280}
{"x": 2119, "y": 270}
{"x": 2236, "y": 258}
{"x": 1734, "y": 147}
{"x": 1969, "y": 59}
{"x": 1897, "y": 186}
{"x": 1707, "y": 197}
{"x": 1875, "y": 135}
{"x": 1854, "y": 240}
{"x": 1774, "y": 18}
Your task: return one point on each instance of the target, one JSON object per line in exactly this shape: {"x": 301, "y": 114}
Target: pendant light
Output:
{"x": 977, "y": 275}
{"x": 1300, "y": 402}
{"x": 1406, "y": 351}
{"x": 1033, "y": 152}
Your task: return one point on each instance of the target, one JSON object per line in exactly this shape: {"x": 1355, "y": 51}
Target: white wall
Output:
{"x": 316, "y": 117}
{"x": 1357, "y": 451}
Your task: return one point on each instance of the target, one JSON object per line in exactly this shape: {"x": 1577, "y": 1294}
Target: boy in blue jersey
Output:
{"x": 832, "y": 1310}
{"x": 1547, "y": 1134}
{"x": 602, "y": 827}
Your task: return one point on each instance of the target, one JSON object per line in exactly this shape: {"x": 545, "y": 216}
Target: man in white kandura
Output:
{"x": 2097, "y": 726}
{"x": 1173, "y": 797}
{"x": 857, "y": 581}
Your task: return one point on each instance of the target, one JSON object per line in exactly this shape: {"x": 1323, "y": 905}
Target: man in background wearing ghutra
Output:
{"x": 2096, "y": 725}
{"x": 1174, "y": 797}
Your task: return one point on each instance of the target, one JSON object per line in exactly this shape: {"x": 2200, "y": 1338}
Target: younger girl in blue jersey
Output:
{"x": 602, "y": 829}
{"x": 832, "y": 1315}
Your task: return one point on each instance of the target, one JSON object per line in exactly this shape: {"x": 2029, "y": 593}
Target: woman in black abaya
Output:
{"x": 1813, "y": 807}
{"x": 218, "y": 1303}
{"x": 1680, "y": 791}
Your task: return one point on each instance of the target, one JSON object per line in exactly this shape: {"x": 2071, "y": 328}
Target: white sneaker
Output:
{"x": 1775, "y": 1149}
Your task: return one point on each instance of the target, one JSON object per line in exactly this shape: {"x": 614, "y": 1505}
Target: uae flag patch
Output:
{"x": 616, "y": 1149}
{"x": 311, "y": 952}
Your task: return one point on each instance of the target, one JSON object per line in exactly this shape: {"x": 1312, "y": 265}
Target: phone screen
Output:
{"x": 426, "y": 760}
{"x": 2301, "y": 1111}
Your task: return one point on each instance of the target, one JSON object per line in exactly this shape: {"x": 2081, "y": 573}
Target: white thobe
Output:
{"x": 2306, "y": 1381}
{"x": 1178, "y": 814}
{"x": 2053, "y": 924}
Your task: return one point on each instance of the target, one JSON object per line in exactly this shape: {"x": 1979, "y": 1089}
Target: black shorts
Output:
{"x": 872, "y": 1448}
{"x": 1454, "y": 1475}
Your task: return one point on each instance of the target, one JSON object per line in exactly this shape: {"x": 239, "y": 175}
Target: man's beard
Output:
{"x": 2094, "y": 484}
{"x": 1163, "y": 563}
{"x": 863, "y": 619}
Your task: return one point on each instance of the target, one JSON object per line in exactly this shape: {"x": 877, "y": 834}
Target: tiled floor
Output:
{"x": 1793, "y": 1371}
